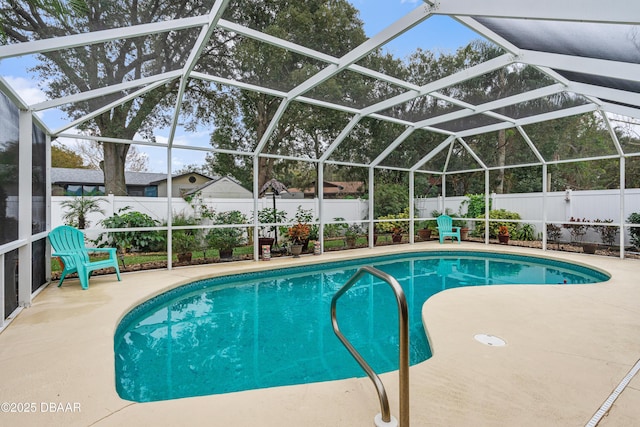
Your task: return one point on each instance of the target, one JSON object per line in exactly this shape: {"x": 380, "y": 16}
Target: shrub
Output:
{"x": 494, "y": 227}
{"x": 554, "y": 232}
{"x": 186, "y": 240}
{"x": 395, "y": 227}
{"x": 475, "y": 205}
{"x": 525, "y": 232}
{"x": 634, "y": 218}
{"x": 269, "y": 216}
{"x": 133, "y": 240}
{"x": 225, "y": 239}
{"x": 576, "y": 229}
{"x": 354, "y": 230}
{"x": 607, "y": 233}
{"x": 390, "y": 198}
{"x": 335, "y": 230}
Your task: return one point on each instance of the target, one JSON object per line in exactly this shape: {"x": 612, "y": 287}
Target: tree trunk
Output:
{"x": 264, "y": 114}
{"x": 265, "y": 170}
{"x": 113, "y": 168}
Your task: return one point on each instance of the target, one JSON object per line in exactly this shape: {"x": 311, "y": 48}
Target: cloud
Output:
{"x": 27, "y": 89}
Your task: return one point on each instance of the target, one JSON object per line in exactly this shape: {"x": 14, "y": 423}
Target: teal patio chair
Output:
{"x": 446, "y": 228}
{"x": 68, "y": 244}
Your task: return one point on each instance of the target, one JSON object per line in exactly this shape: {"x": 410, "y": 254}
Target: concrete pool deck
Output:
{"x": 568, "y": 348}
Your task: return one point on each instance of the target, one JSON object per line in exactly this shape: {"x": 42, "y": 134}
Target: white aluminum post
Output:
{"x": 25, "y": 177}
{"x": 411, "y": 207}
{"x": 545, "y": 184}
{"x": 47, "y": 189}
{"x": 2, "y": 276}
{"x": 487, "y": 206}
{"x": 622, "y": 203}
{"x": 256, "y": 190}
{"x": 169, "y": 210}
{"x": 371, "y": 203}
{"x": 320, "y": 198}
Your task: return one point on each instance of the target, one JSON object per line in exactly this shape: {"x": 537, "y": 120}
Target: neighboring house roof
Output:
{"x": 164, "y": 177}
{"x": 334, "y": 188}
{"x": 213, "y": 181}
{"x": 348, "y": 187}
{"x": 96, "y": 177}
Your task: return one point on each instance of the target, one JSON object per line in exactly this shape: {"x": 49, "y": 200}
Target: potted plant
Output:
{"x": 351, "y": 234}
{"x": 227, "y": 238}
{"x": 503, "y": 234}
{"x": 268, "y": 234}
{"x": 184, "y": 241}
{"x": 183, "y": 244}
{"x": 425, "y": 231}
{"x": 297, "y": 234}
{"x": 396, "y": 234}
{"x": 396, "y": 228}
{"x": 464, "y": 232}
{"x": 305, "y": 216}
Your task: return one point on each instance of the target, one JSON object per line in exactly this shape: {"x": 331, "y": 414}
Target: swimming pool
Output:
{"x": 272, "y": 328}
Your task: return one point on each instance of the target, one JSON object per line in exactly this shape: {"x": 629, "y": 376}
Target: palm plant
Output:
{"x": 78, "y": 210}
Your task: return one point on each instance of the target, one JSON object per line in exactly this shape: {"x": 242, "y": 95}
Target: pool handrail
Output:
{"x": 403, "y": 321}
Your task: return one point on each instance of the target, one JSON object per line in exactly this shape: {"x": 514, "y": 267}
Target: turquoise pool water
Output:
{"x": 273, "y": 328}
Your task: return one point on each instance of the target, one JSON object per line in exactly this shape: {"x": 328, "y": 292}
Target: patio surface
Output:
{"x": 568, "y": 348}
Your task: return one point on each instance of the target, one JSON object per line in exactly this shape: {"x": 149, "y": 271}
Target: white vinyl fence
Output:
{"x": 559, "y": 207}
{"x": 157, "y": 208}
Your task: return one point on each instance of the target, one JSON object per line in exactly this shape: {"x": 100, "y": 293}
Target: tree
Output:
{"x": 95, "y": 65}
{"x": 92, "y": 154}
{"x": 241, "y": 118}
{"x": 62, "y": 157}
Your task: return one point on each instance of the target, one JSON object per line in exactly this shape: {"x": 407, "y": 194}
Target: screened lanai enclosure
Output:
{"x": 538, "y": 98}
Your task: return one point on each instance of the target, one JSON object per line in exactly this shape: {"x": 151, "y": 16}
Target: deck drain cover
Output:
{"x": 490, "y": 340}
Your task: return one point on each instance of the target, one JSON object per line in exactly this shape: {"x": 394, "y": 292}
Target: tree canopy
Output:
{"x": 243, "y": 121}
{"x": 80, "y": 69}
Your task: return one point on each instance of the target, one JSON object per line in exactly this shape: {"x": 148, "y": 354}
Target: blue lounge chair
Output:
{"x": 68, "y": 244}
{"x": 446, "y": 228}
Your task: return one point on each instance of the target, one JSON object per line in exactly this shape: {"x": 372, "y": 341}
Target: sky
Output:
{"x": 438, "y": 33}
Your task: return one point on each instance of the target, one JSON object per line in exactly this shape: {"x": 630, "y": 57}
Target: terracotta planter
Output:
{"x": 425, "y": 234}
{"x": 396, "y": 238}
{"x": 503, "y": 238}
{"x": 589, "y": 248}
{"x": 184, "y": 257}
{"x": 464, "y": 234}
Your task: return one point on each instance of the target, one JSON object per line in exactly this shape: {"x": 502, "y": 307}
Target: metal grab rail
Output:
{"x": 403, "y": 314}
